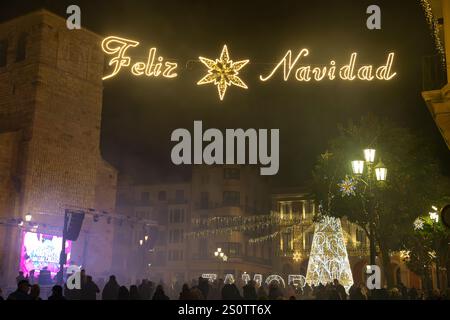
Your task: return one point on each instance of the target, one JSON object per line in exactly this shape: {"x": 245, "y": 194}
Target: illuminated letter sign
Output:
{"x": 223, "y": 72}
{"x": 153, "y": 67}
{"x": 351, "y": 71}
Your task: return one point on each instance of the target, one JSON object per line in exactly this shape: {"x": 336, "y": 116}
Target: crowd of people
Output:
{"x": 204, "y": 289}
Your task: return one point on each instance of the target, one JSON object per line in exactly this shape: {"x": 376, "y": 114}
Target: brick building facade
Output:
{"x": 50, "y": 116}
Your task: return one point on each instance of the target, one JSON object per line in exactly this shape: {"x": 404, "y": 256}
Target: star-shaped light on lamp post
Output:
{"x": 223, "y": 72}
{"x": 297, "y": 256}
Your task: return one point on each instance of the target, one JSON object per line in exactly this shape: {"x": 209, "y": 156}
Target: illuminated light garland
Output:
{"x": 328, "y": 259}
{"x": 154, "y": 67}
{"x": 346, "y": 72}
{"x": 277, "y": 278}
{"x": 223, "y": 72}
{"x": 434, "y": 29}
{"x": 297, "y": 280}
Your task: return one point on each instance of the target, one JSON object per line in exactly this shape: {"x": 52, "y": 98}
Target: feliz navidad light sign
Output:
{"x": 223, "y": 72}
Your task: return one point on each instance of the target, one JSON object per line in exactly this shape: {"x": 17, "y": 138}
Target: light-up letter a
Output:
{"x": 117, "y": 46}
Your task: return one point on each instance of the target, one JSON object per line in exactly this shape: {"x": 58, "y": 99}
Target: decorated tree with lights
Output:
{"x": 426, "y": 246}
{"x": 328, "y": 259}
{"x": 413, "y": 183}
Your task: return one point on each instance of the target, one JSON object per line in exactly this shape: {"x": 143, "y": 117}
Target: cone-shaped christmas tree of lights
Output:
{"x": 328, "y": 259}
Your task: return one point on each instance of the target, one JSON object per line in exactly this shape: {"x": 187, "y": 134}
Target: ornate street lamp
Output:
{"x": 358, "y": 167}
{"x": 369, "y": 155}
{"x": 380, "y": 171}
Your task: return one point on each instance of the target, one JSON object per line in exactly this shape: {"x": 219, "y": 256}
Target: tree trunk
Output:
{"x": 386, "y": 261}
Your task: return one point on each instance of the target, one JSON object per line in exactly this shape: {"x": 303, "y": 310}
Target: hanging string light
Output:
{"x": 434, "y": 27}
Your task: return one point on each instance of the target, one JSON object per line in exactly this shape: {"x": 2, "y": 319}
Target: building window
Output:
{"x": 162, "y": 196}
{"x": 3, "y": 52}
{"x": 231, "y": 173}
{"x": 179, "y": 196}
{"x": 175, "y": 255}
{"x": 176, "y": 216}
{"x": 204, "y": 200}
{"x": 21, "y": 47}
{"x": 145, "y": 197}
{"x": 286, "y": 242}
{"x": 360, "y": 236}
{"x": 203, "y": 248}
{"x": 231, "y": 198}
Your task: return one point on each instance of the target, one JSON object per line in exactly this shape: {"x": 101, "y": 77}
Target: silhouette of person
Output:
{"x": 57, "y": 293}
{"x": 134, "y": 293}
{"x": 89, "y": 290}
{"x": 159, "y": 294}
{"x": 124, "y": 294}
{"x": 111, "y": 289}
{"x": 22, "y": 291}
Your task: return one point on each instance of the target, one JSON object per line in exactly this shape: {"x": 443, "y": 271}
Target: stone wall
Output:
{"x": 50, "y": 118}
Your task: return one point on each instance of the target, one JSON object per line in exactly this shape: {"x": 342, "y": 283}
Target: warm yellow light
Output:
{"x": 141, "y": 242}
{"x": 223, "y": 72}
{"x": 28, "y": 217}
{"x": 153, "y": 67}
{"x": 297, "y": 256}
{"x": 380, "y": 172}
{"x": 369, "y": 155}
{"x": 348, "y": 71}
{"x": 146, "y": 238}
{"x": 221, "y": 254}
{"x": 358, "y": 166}
{"x": 216, "y": 253}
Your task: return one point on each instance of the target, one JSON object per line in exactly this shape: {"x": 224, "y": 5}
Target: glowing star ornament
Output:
{"x": 418, "y": 224}
{"x": 297, "y": 256}
{"x": 223, "y": 72}
{"x": 347, "y": 187}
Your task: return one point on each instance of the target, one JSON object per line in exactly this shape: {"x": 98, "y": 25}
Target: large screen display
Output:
{"x": 41, "y": 251}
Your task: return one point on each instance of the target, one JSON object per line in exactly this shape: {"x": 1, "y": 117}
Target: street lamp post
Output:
{"x": 221, "y": 257}
{"x": 379, "y": 174}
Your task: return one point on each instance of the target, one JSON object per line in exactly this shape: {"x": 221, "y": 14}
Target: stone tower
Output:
{"x": 50, "y": 116}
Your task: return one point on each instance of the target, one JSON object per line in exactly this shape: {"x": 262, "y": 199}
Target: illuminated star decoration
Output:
{"x": 347, "y": 186}
{"x": 418, "y": 224}
{"x": 297, "y": 256}
{"x": 223, "y": 72}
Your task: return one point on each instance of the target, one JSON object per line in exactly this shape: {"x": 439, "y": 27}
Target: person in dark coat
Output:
{"x": 230, "y": 292}
{"x": 134, "y": 293}
{"x": 203, "y": 285}
{"x": 57, "y": 294}
{"x": 23, "y": 286}
{"x": 159, "y": 294}
{"x": 186, "y": 293}
{"x": 249, "y": 291}
{"x": 89, "y": 290}
{"x": 111, "y": 289}
{"x": 123, "y": 293}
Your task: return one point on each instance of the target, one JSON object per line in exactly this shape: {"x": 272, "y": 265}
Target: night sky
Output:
{"x": 139, "y": 114}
